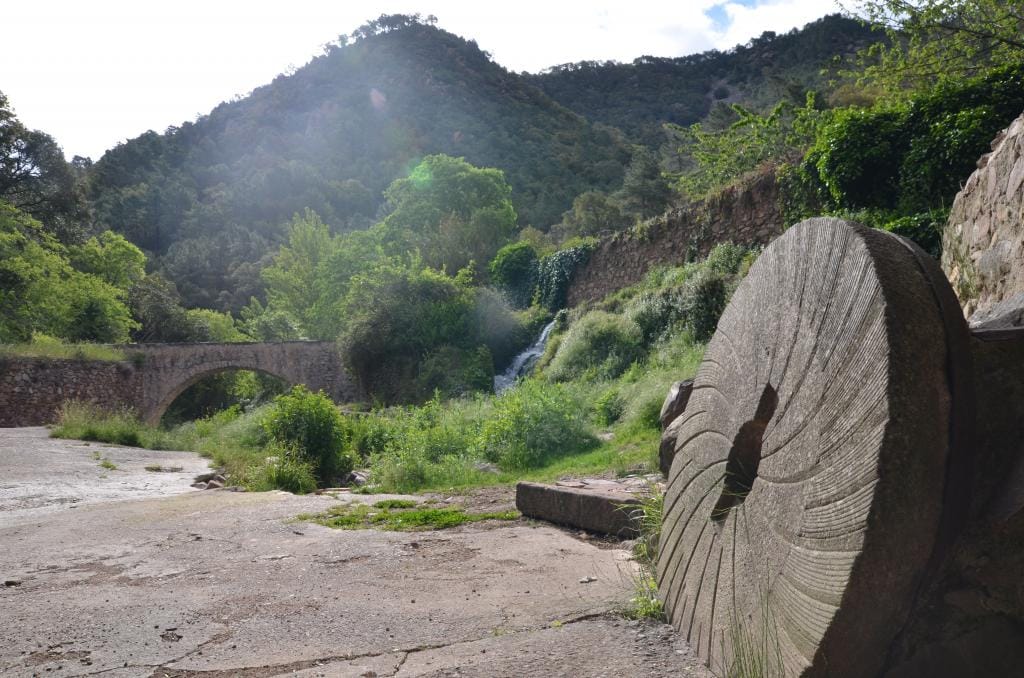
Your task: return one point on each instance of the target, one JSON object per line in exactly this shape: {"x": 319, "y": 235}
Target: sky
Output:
{"x": 93, "y": 74}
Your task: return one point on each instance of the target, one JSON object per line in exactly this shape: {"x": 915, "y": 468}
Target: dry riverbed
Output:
{"x": 218, "y": 583}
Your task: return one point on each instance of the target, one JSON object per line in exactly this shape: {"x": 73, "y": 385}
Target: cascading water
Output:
{"x": 523, "y": 362}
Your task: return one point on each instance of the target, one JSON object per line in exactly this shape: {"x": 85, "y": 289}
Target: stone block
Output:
{"x": 595, "y": 509}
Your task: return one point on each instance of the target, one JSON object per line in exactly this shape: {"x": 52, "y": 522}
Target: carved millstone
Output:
{"x": 819, "y": 469}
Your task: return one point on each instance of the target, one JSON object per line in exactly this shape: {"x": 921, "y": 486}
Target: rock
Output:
{"x": 667, "y": 451}
{"x": 12, "y": 582}
{"x": 1007, "y": 314}
{"x": 199, "y": 486}
{"x": 674, "y": 405}
{"x": 204, "y": 477}
{"x": 604, "y": 510}
{"x": 588, "y": 579}
{"x": 675, "y": 402}
{"x": 215, "y": 484}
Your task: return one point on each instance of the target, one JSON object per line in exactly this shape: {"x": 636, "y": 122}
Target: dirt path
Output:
{"x": 218, "y": 583}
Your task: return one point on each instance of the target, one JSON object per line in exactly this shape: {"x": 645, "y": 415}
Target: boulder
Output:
{"x": 675, "y": 402}
{"x": 674, "y": 405}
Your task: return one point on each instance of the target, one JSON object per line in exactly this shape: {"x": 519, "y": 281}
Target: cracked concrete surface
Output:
{"x": 219, "y": 583}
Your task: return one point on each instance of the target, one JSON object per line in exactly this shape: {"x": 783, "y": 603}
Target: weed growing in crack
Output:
{"x": 645, "y": 603}
{"x": 397, "y": 515}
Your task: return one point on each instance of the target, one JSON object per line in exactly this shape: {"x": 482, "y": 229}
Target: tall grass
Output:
{"x": 43, "y": 346}
{"x": 234, "y": 441}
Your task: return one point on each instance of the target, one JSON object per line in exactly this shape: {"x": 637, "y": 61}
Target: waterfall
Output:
{"x": 524, "y": 362}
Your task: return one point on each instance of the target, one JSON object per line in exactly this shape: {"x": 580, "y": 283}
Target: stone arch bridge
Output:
{"x": 153, "y": 375}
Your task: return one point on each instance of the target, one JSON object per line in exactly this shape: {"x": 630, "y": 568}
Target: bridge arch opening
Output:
{"x": 215, "y": 390}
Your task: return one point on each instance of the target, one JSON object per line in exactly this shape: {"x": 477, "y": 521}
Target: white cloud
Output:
{"x": 95, "y": 73}
{"x": 780, "y": 16}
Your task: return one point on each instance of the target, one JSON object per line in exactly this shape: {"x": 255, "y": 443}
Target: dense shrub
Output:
{"x": 914, "y": 155}
{"x": 514, "y": 271}
{"x": 534, "y": 423}
{"x": 310, "y": 425}
{"x": 599, "y": 344}
{"x": 654, "y": 312}
{"x": 404, "y": 325}
{"x": 725, "y": 258}
{"x": 608, "y": 407}
{"x": 704, "y": 299}
{"x": 283, "y": 471}
{"x": 451, "y": 371}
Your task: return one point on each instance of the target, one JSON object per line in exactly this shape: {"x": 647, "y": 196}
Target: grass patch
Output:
{"x": 391, "y": 517}
{"x": 395, "y": 504}
{"x": 109, "y": 465}
{"x": 49, "y": 348}
{"x": 157, "y": 468}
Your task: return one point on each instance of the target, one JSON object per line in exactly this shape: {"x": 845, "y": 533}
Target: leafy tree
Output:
{"x": 406, "y": 323}
{"x": 514, "y": 271}
{"x": 40, "y": 291}
{"x": 594, "y": 213}
{"x": 266, "y": 324}
{"x": 35, "y": 178}
{"x": 208, "y": 325}
{"x": 111, "y": 257}
{"x": 645, "y": 191}
{"x": 156, "y": 305}
{"x": 937, "y": 39}
{"x": 292, "y": 280}
{"x": 451, "y": 212}
{"x": 752, "y": 141}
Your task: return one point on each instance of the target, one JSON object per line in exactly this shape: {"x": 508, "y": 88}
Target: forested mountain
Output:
{"x": 638, "y": 97}
{"x": 209, "y": 198}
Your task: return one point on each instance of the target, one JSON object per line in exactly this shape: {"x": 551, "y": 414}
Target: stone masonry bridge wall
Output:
{"x": 32, "y": 390}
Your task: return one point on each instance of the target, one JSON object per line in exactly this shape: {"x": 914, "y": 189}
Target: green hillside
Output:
{"x": 638, "y": 97}
{"x": 210, "y": 197}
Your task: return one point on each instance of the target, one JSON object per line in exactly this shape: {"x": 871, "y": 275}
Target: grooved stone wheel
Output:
{"x": 806, "y": 496}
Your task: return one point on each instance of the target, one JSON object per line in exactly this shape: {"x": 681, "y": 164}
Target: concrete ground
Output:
{"x": 97, "y": 581}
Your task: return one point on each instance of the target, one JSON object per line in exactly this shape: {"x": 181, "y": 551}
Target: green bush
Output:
{"x": 654, "y": 312}
{"x": 608, "y": 407}
{"x": 532, "y": 424}
{"x": 907, "y": 156}
{"x": 599, "y": 344}
{"x": 725, "y": 258}
{"x": 453, "y": 372}
{"x": 514, "y": 271}
{"x": 704, "y": 299}
{"x": 283, "y": 472}
{"x": 311, "y": 426}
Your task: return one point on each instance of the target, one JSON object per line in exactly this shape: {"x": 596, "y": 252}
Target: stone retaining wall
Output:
{"x": 983, "y": 242}
{"x": 747, "y": 214}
